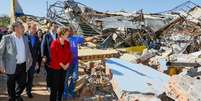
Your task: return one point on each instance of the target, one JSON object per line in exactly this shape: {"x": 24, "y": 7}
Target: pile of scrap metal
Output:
{"x": 183, "y": 34}
{"x": 177, "y": 39}
{"x": 123, "y": 29}
{"x": 173, "y": 45}
{"x": 109, "y": 29}
{"x": 179, "y": 54}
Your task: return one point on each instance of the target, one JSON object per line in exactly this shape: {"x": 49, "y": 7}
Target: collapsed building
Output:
{"x": 113, "y": 29}
{"x": 172, "y": 41}
{"x": 172, "y": 47}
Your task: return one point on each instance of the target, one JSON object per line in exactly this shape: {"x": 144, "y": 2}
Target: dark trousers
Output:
{"x": 29, "y": 85}
{"x": 57, "y": 84}
{"x": 39, "y": 64}
{"x": 47, "y": 75}
{"x": 18, "y": 77}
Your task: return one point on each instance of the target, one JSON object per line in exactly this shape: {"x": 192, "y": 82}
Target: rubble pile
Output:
{"x": 133, "y": 56}
{"x": 95, "y": 84}
{"x": 172, "y": 47}
{"x": 184, "y": 88}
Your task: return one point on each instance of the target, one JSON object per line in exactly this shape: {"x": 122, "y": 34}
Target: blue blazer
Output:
{"x": 35, "y": 49}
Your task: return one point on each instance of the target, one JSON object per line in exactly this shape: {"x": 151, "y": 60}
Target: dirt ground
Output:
{"x": 40, "y": 92}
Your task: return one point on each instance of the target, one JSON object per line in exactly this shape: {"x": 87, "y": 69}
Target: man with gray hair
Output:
{"x": 15, "y": 60}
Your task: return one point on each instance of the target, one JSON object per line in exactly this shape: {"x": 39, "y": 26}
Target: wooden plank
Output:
{"x": 90, "y": 52}
{"x": 96, "y": 54}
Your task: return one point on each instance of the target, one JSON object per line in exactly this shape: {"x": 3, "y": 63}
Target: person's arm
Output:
{"x": 29, "y": 51}
{"x": 2, "y": 50}
{"x": 43, "y": 46}
{"x": 53, "y": 53}
{"x": 38, "y": 55}
{"x": 38, "y": 49}
{"x": 70, "y": 56}
{"x": 81, "y": 39}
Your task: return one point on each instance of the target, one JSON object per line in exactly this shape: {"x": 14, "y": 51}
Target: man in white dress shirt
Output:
{"x": 15, "y": 60}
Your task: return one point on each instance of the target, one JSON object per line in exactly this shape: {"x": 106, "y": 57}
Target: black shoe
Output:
{"x": 38, "y": 71}
{"x": 29, "y": 95}
{"x": 19, "y": 98}
{"x": 11, "y": 100}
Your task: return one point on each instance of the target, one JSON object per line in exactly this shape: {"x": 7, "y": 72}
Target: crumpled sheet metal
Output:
{"x": 136, "y": 78}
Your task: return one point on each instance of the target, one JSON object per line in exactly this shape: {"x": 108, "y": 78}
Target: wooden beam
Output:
{"x": 182, "y": 64}
{"x": 13, "y": 9}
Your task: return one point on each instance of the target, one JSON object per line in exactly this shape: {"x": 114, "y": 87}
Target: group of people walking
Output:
{"x": 21, "y": 52}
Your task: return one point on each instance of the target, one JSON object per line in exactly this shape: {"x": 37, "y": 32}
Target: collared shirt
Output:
{"x": 20, "y": 46}
{"x": 53, "y": 35}
{"x": 33, "y": 39}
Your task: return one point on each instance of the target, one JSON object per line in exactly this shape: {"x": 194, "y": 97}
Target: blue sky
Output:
{"x": 38, "y": 7}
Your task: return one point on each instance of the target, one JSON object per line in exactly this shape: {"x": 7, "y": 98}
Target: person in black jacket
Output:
{"x": 45, "y": 48}
{"x": 34, "y": 45}
{"x": 40, "y": 36}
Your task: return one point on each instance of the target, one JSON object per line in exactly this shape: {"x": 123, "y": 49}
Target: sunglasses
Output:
{"x": 63, "y": 33}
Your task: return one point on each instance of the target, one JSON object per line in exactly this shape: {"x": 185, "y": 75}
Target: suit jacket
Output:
{"x": 45, "y": 46}
{"x": 35, "y": 49}
{"x": 8, "y": 54}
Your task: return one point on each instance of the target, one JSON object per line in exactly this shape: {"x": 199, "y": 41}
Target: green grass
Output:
{"x": 4, "y": 21}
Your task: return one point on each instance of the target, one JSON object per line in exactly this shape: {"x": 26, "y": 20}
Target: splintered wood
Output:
{"x": 184, "y": 88}
{"x": 96, "y": 54}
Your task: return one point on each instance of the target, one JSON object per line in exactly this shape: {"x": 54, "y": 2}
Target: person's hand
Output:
{"x": 67, "y": 65}
{"x": 2, "y": 71}
{"x": 44, "y": 59}
{"x": 64, "y": 66}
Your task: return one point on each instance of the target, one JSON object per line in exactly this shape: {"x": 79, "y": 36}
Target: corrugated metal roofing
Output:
{"x": 136, "y": 77}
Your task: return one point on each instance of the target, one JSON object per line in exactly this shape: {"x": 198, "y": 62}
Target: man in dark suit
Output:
{"x": 45, "y": 48}
{"x": 34, "y": 45}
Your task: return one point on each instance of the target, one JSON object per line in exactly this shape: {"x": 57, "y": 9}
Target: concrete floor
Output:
{"x": 40, "y": 92}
